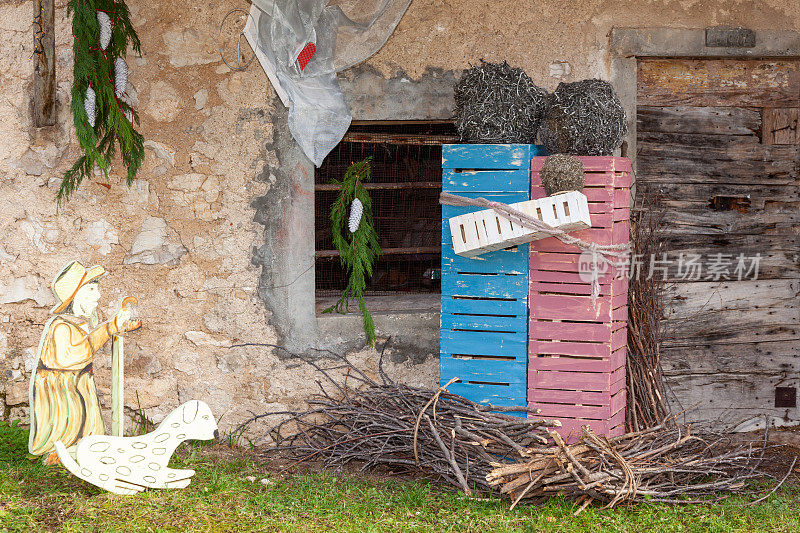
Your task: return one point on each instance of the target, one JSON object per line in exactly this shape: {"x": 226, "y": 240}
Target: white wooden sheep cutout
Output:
{"x": 127, "y": 465}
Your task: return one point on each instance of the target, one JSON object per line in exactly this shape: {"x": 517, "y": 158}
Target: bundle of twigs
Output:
{"x": 646, "y": 401}
{"x": 666, "y": 463}
{"x": 406, "y": 428}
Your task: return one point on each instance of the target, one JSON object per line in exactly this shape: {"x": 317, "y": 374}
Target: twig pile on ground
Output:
{"x": 408, "y": 429}
{"x": 660, "y": 464}
{"x": 497, "y": 103}
{"x": 583, "y": 118}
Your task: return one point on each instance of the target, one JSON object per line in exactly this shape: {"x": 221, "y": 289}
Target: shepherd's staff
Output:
{"x": 118, "y": 372}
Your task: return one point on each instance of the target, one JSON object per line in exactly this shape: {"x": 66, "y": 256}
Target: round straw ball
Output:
{"x": 497, "y": 103}
{"x": 561, "y": 173}
{"x": 583, "y": 118}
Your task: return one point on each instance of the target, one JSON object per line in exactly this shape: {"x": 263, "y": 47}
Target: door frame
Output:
{"x": 628, "y": 45}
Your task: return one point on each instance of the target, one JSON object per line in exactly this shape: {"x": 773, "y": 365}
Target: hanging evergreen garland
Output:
{"x": 103, "y": 120}
{"x": 358, "y": 253}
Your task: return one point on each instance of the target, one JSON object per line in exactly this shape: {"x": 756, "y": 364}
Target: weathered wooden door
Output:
{"x": 718, "y": 141}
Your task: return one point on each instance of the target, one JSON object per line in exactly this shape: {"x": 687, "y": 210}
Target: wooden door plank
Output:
{"x": 730, "y": 401}
{"x": 761, "y": 358}
{"x": 723, "y": 82}
{"x": 698, "y": 120}
{"x": 680, "y": 193}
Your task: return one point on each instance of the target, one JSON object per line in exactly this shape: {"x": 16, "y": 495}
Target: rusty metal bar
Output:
{"x": 373, "y": 186}
{"x": 389, "y": 251}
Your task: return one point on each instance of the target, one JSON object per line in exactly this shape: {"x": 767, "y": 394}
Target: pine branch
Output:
{"x": 358, "y": 254}
{"x": 94, "y": 67}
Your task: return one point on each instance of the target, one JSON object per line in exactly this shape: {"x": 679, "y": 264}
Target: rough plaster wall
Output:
{"x": 541, "y": 36}
{"x": 180, "y": 239}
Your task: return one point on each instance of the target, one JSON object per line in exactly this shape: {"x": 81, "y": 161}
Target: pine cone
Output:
{"x": 120, "y": 76}
{"x": 105, "y": 28}
{"x": 356, "y": 210}
{"x": 90, "y": 105}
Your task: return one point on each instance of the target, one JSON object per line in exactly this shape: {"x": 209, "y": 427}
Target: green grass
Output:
{"x": 38, "y": 498}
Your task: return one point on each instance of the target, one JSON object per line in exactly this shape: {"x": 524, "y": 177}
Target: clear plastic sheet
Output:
{"x": 345, "y": 32}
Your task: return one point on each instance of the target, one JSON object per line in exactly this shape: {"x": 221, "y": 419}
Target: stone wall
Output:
{"x": 186, "y": 238}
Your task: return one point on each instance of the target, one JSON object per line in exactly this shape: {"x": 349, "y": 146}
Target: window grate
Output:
{"x": 405, "y": 186}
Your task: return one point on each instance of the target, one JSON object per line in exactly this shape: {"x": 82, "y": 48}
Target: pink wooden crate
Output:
{"x": 571, "y": 426}
{"x": 577, "y": 350}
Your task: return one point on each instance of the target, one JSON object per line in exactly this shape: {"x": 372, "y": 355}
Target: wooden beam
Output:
{"x": 44, "y": 70}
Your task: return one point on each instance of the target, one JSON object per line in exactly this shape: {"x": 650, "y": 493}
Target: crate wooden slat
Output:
{"x": 577, "y": 350}
{"x": 484, "y": 313}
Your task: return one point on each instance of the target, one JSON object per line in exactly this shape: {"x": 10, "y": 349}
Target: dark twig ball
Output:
{"x": 561, "y": 173}
{"x": 497, "y": 103}
{"x": 583, "y": 118}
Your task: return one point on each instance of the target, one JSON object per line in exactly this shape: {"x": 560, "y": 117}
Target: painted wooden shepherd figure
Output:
{"x": 63, "y": 396}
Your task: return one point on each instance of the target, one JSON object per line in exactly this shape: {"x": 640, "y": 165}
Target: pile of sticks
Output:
{"x": 369, "y": 423}
{"x": 665, "y": 463}
{"x": 647, "y": 406}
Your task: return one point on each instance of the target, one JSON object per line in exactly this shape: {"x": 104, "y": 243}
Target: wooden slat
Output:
{"x": 483, "y": 323}
{"x": 572, "y": 396}
{"x": 484, "y": 306}
{"x": 511, "y": 261}
{"x": 478, "y": 181}
{"x": 494, "y": 371}
{"x": 485, "y": 286}
{"x": 483, "y": 343}
{"x": 725, "y": 82}
{"x": 499, "y": 395}
{"x": 698, "y": 120}
{"x": 488, "y": 156}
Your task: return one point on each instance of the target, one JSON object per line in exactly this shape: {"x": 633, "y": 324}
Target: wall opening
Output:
{"x": 405, "y": 186}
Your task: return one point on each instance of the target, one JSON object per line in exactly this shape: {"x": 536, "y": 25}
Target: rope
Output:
{"x": 615, "y": 255}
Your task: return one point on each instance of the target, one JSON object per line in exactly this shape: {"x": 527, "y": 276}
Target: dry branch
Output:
{"x": 661, "y": 464}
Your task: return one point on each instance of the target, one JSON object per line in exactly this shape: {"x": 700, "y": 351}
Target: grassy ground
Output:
{"x": 220, "y": 498}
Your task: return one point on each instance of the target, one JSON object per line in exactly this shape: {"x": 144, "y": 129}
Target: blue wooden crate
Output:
{"x": 484, "y": 314}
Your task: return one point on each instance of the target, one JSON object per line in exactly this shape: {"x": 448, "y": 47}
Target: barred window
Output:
{"x": 405, "y": 186}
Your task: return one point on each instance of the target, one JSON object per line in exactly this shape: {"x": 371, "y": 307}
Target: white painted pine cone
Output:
{"x": 120, "y": 76}
{"x": 356, "y": 210}
{"x": 90, "y": 105}
{"x": 105, "y": 29}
